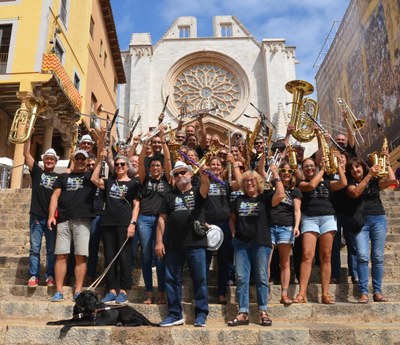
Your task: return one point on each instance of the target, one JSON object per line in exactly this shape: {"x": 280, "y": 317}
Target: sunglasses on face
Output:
{"x": 120, "y": 164}
{"x": 180, "y": 173}
{"x": 238, "y": 135}
{"x": 259, "y": 143}
{"x": 180, "y": 137}
{"x": 287, "y": 171}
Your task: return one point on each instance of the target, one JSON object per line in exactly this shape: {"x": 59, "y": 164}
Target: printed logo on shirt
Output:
{"x": 320, "y": 192}
{"x": 234, "y": 195}
{"x": 184, "y": 203}
{"x": 118, "y": 191}
{"x": 47, "y": 181}
{"x": 247, "y": 209}
{"x": 217, "y": 189}
{"x": 74, "y": 183}
{"x": 287, "y": 200}
{"x": 152, "y": 187}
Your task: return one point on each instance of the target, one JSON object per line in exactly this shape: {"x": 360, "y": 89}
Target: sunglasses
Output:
{"x": 238, "y": 135}
{"x": 180, "y": 173}
{"x": 120, "y": 164}
{"x": 287, "y": 171}
{"x": 259, "y": 143}
{"x": 180, "y": 137}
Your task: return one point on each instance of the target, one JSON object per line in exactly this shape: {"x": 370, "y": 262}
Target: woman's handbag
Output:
{"x": 357, "y": 219}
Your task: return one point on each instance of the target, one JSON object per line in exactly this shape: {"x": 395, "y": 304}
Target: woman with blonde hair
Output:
{"x": 249, "y": 224}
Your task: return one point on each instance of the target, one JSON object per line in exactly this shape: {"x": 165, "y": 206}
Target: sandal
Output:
{"x": 363, "y": 299}
{"x": 286, "y": 300}
{"x": 237, "y": 322}
{"x": 327, "y": 299}
{"x": 299, "y": 299}
{"x": 378, "y": 297}
{"x": 264, "y": 319}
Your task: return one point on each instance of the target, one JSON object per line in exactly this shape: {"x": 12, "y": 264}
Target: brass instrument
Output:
{"x": 380, "y": 158}
{"x": 173, "y": 145}
{"x": 250, "y": 138}
{"x": 328, "y": 156}
{"x": 292, "y": 157}
{"x": 152, "y": 134}
{"x": 202, "y": 111}
{"x": 354, "y": 123}
{"x": 75, "y": 139}
{"x": 303, "y": 128}
{"x": 276, "y": 160}
{"x": 100, "y": 109}
{"x": 26, "y": 118}
{"x": 205, "y": 159}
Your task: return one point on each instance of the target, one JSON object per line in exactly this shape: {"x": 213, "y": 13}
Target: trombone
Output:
{"x": 355, "y": 124}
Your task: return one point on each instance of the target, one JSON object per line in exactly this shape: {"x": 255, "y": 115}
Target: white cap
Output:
{"x": 50, "y": 153}
{"x": 280, "y": 137}
{"x": 180, "y": 165}
{"x": 81, "y": 152}
{"x": 215, "y": 237}
{"x": 87, "y": 138}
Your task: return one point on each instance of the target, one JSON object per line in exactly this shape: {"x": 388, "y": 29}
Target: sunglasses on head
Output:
{"x": 180, "y": 173}
{"x": 120, "y": 164}
{"x": 287, "y": 171}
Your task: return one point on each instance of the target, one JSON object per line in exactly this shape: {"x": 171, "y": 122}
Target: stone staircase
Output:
{"x": 24, "y": 312}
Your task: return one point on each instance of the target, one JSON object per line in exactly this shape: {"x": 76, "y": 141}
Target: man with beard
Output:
{"x": 178, "y": 211}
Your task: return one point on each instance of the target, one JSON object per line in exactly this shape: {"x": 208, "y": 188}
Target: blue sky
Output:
{"x": 304, "y": 24}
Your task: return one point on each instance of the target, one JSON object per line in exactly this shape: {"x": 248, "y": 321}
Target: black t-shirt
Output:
{"x": 182, "y": 208}
{"x": 119, "y": 198}
{"x": 217, "y": 204}
{"x": 42, "y": 189}
{"x": 252, "y": 218}
{"x": 77, "y": 195}
{"x": 372, "y": 202}
{"x": 283, "y": 213}
{"x": 152, "y": 192}
{"x": 351, "y": 150}
{"x": 317, "y": 202}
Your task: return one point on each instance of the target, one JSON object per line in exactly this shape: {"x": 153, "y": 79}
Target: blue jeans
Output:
{"x": 38, "y": 227}
{"x": 343, "y": 224}
{"x": 224, "y": 258}
{"x": 146, "y": 229}
{"x": 254, "y": 258}
{"x": 196, "y": 261}
{"x": 374, "y": 230}
{"x": 94, "y": 243}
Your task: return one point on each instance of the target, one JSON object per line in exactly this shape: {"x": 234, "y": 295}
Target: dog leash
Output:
{"x": 100, "y": 278}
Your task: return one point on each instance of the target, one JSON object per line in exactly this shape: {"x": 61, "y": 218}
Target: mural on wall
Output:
{"x": 363, "y": 67}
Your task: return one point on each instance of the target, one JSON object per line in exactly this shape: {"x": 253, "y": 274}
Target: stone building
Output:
{"x": 229, "y": 70}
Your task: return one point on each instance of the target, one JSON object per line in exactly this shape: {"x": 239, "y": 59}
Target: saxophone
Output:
{"x": 330, "y": 160}
{"x": 380, "y": 159}
{"x": 250, "y": 138}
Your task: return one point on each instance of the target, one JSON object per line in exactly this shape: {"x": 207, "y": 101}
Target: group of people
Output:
{"x": 264, "y": 207}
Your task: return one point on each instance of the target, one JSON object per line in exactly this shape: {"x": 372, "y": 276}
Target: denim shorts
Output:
{"x": 282, "y": 234}
{"x": 318, "y": 224}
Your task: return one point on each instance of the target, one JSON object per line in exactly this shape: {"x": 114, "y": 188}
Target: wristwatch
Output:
{"x": 133, "y": 222}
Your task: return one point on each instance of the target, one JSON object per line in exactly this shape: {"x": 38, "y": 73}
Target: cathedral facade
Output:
{"x": 219, "y": 75}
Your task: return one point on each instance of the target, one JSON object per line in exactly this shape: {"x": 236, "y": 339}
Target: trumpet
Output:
{"x": 276, "y": 160}
{"x": 355, "y": 124}
{"x": 380, "y": 158}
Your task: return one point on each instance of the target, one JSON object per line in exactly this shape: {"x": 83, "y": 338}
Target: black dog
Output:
{"x": 89, "y": 312}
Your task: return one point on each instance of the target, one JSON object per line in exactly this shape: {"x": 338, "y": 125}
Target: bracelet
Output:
{"x": 133, "y": 222}
{"x": 277, "y": 179}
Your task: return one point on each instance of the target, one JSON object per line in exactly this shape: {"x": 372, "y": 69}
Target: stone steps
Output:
{"x": 25, "y": 309}
{"x": 217, "y": 333}
{"x": 343, "y": 292}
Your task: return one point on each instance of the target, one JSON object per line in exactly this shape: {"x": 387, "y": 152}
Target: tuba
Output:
{"x": 26, "y": 118}
{"x": 303, "y": 125}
